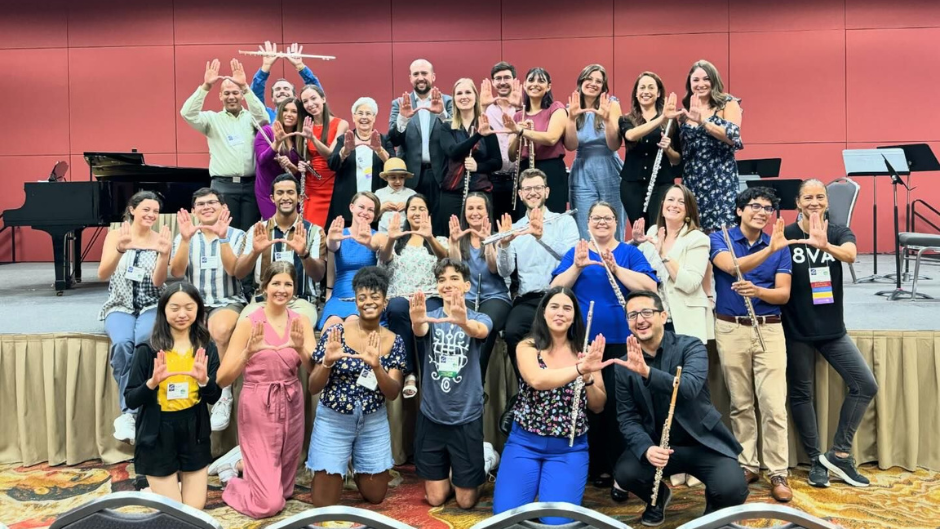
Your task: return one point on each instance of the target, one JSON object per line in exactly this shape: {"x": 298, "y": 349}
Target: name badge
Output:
{"x": 367, "y": 379}
{"x": 209, "y": 262}
{"x": 287, "y": 256}
{"x": 134, "y": 273}
{"x": 367, "y": 170}
{"x": 177, "y": 390}
{"x": 234, "y": 140}
{"x": 820, "y": 281}
{"x": 449, "y": 366}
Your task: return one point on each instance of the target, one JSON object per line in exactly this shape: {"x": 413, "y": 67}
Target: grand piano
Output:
{"x": 63, "y": 209}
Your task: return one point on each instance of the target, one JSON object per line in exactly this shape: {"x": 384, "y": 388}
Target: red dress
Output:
{"x": 320, "y": 191}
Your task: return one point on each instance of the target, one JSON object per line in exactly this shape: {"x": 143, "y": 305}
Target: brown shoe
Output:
{"x": 780, "y": 489}
{"x": 750, "y": 477}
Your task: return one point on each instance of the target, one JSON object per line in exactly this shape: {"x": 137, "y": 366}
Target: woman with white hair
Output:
{"x": 357, "y": 159}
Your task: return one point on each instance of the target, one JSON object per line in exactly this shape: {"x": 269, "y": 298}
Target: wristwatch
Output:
{"x": 665, "y": 259}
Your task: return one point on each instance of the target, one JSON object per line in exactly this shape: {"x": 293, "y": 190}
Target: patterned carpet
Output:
{"x": 31, "y": 497}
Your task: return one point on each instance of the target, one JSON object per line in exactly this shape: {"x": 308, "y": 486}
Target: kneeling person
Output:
{"x": 700, "y": 444}
{"x": 449, "y": 429}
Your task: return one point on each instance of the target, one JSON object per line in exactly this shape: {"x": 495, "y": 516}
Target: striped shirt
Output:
{"x": 205, "y": 270}
{"x": 304, "y": 288}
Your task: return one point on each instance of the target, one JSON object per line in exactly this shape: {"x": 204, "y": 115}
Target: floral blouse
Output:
{"x": 413, "y": 271}
{"x": 343, "y": 392}
{"x": 548, "y": 412}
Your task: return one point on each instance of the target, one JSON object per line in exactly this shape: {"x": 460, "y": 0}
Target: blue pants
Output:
{"x": 540, "y": 466}
{"x": 126, "y": 332}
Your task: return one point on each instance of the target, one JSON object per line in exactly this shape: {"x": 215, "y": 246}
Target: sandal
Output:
{"x": 411, "y": 387}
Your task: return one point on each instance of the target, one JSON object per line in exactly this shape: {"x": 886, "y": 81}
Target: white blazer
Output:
{"x": 686, "y": 299}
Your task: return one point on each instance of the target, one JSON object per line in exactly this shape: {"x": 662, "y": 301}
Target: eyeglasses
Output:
{"x": 499, "y": 78}
{"x": 602, "y": 220}
{"x": 207, "y": 203}
{"x": 755, "y": 207}
{"x": 533, "y": 189}
{"x": 646, "y": 313}
{"x": 364, "y": 114}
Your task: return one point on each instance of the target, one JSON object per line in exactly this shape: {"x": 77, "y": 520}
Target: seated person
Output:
{"x": 449, "y": 445}
{"x": 393, "y": 195}
{"x": 699, "y": 444}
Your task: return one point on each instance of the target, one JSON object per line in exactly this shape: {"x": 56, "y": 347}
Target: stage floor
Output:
{"x": 29, "y": 304}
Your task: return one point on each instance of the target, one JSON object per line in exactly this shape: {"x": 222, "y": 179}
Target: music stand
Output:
{"x": 764, "y": 167}
{"x": 871, "y": 162}
{"x": 787, "y": 190}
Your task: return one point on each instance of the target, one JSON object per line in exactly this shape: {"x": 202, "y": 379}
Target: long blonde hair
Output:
{"x": 457, "y": 122}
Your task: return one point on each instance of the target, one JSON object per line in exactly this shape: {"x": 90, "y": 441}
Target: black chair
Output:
{"x": 524, "y": 518}
{"x": 338, "y": 513}
{"x": 730, "y": 516}
{"x": 101, "y": 514}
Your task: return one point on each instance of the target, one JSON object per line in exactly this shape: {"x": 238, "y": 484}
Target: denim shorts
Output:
{"x": 338, "y": 436}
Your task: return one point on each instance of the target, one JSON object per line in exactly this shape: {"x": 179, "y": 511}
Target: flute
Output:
{"x": 286, "y": 55}
{"x": 476, "y": 302}
{"x": 466, "y": 189}
{"x": 664, "y": 441}
{"x": 610, "y": 277}
{"x": 656, "y": 164}
{"x": 747, "y": 300}
{"x": 579, "y": 382}
{"x": 503, "y": 234}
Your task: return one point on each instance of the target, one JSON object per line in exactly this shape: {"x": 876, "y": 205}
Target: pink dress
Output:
{"x": 270, "y": 427}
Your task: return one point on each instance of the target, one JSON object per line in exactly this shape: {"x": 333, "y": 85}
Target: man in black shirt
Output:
{"x": 700, "y": 444}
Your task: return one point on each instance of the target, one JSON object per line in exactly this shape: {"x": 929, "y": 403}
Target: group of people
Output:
{"x": 424, "y": 258}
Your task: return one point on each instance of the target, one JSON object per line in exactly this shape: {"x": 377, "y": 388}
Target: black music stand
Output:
{"x": 764, "y": 168}
{"x": 787, "y": 190}
{"x": 871, "y": 162}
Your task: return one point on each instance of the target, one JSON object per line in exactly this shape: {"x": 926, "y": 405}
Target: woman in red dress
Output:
{"x": 321, "y": 130}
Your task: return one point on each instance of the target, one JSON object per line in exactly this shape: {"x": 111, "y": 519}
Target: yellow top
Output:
{"x": 184, "y": 393}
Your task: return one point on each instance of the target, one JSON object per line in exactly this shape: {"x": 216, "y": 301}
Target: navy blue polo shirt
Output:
{"x": 728, "y": 301}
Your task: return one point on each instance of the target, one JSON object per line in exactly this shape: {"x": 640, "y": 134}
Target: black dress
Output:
{"x": 345, "y": 186}
{"x": 457, "y": 145}
{"x": 637, "y": 168}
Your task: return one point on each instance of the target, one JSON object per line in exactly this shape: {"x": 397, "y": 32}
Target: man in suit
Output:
{"x": 699, "y": 443}
{"x": 416, "y": 139}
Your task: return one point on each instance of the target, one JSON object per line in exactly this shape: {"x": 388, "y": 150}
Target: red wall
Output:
{"x": 816, "y": 76}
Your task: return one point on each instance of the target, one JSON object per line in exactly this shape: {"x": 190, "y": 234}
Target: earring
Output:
{"x": 687, "y": 219}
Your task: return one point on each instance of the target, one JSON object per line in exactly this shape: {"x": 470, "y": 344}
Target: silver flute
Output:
{"x": 476, "y": 302}
{"x": 656, "y": 164}
{"x": 496, "y": 237}
{"x": 610, "y": 277}
{"x": 747, "y": 300}
{"x": 466, "y": 189}
{"x": 579, "y": 382}
{"x": 664, "y": 441}
{"x": 286, "y": 55}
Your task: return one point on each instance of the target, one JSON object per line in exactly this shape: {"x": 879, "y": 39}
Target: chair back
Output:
{"x": 101, "y": 513}
{"x": 843, "y": 193}
{"x": 339, "y": 513}
{"x": 729, "y": 516}
{"x": 525, "y": 517}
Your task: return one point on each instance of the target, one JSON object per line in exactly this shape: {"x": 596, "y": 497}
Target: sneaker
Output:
{"x": 844, "y": 467}
{"x": 490, "y": 459}
{"x": 125, "y": 428}
{"x": 231, "y": 458}
{"x": 654, "y": 516}
{"x": 818, "y": 475}
{"x": 226, "y": 473}
{"x": 221, "y": 412}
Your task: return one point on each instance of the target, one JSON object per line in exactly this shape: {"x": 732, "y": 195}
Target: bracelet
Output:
{"x": 327, "y": 366}
{"x": 302, "y": 257}
{"x": 665, "y": 259}
{"x": 577, "y": 367}
{"x": 591, "y": 383}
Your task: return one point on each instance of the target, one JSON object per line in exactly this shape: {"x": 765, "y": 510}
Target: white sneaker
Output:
{"x": 231, "y": 458}
{"x": 226, "y": 473}
{"x": 125, "y": 428}
{"x": 490, "y": 459}
{"x": 221, "y": 412}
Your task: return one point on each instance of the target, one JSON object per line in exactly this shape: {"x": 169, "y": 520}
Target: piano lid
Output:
{"x": 130, "y": 167}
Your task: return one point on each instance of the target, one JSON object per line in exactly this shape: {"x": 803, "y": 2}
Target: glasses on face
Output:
{"x": 364, "y": 114}
{"x": 502, "y": 78}
{"x": 646, "y": 313}
{"x": 533, "y": 189}
{"x": 755, "y": 207}
{"x": 602, "y": 220}
{"x": 207, "y": 203}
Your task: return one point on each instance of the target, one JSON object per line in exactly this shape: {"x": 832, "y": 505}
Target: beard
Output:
{"x": 423, "y": 91}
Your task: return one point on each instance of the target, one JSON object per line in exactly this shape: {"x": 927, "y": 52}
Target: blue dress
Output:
{"x": 350, "y": 257}
{"x": 710, "y": 172}
{"x": 595, "y": 175}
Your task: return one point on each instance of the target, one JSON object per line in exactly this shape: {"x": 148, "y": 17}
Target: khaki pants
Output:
{"x": 746, "y": 368}
{"x": 300, "y": 306}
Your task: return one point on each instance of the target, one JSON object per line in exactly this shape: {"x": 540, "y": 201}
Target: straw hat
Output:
{"x": 395, "y": 166}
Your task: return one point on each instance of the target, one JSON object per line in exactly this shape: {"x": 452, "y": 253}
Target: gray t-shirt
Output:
{"x": 452, "y": 384}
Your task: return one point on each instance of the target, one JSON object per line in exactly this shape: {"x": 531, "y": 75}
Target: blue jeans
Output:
{"x": 535, "y": 465}
{"x": 845, "y": 358}
{"x": 337, "y": 437}
{"x": 585, "y": 194}
{"x": 126, "y": 332}
{"x": 398, "y": 315}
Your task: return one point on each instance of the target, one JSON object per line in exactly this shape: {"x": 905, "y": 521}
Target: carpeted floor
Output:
{"x": 31, "y": 498}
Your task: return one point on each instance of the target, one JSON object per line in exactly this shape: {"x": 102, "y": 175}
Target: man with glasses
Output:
{"x": 204, "y": 254}
{"x": 503, "y": 81}
{"x": 699, "y": 443}
{"x": 764, "y": 261}
{"x": 533, "y": 253}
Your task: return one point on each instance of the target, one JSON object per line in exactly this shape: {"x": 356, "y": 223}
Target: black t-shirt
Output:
{"x": 802, "y": 320}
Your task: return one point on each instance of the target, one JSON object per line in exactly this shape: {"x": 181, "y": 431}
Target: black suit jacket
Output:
{"x": 694, "y": 409}
{"x": 344, "y": 187}
{"x": 409, "y": 149}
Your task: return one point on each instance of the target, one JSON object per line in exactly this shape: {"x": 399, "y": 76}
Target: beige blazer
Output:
{"x": 688, "y": 305}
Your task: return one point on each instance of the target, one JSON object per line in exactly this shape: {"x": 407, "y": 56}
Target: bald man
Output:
{"x": 414, "y": 131}
{"x": 230, "y": 134}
